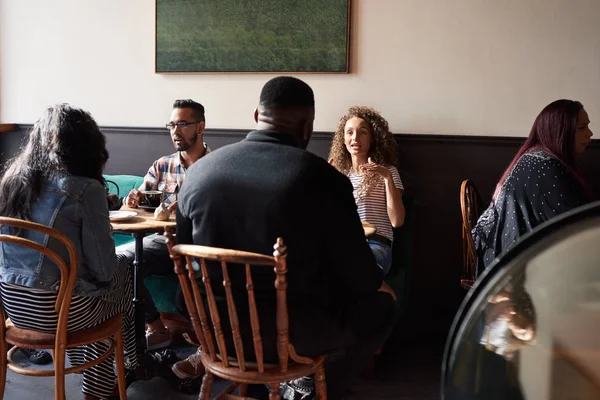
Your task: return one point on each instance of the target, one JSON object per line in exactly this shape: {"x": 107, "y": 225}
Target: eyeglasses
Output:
{"x": 181, "y": 125}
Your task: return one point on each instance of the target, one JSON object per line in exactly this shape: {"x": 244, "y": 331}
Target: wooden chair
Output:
{"x": 215, "y": 358}
{"x": 470, "y": 203}
{"x": 61, "y": 340}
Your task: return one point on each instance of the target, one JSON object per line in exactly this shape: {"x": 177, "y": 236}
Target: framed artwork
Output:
{"x": 252, "y": 36}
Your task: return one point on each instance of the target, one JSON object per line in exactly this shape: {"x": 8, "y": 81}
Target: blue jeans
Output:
{"x": 383, "y": 255}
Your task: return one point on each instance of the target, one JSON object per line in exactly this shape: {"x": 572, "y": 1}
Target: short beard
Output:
{"x": 184, "y": 146}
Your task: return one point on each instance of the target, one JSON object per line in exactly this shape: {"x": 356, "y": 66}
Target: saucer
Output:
{"x": 147, "y": 207}
{"x": 121, "y": 215}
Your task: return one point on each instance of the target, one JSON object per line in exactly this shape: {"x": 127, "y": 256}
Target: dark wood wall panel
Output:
{"x": 432, "y": 168}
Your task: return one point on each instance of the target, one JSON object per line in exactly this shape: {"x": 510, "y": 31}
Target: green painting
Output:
{"x": 252, "y": 36}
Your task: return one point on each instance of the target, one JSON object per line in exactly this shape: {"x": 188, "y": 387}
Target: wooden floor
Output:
{"x": 408, "y": 372}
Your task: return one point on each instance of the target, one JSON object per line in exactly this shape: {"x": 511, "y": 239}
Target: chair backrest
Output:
{"x": 68, "y": 271}
{"x": 195, "y": 301}
{"x": 470, "y": 207}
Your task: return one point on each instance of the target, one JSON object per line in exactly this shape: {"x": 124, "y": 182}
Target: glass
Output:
{"x": 169, "y": 192}
{"x": 181, "y": 125}
{"x": 529, "y": 327}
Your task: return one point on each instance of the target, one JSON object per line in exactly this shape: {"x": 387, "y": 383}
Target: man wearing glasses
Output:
{"x": 187, "y": 133}
{"x": 166, "y": 174}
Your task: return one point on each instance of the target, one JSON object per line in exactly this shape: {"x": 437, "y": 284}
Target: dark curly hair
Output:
{"x": 382, "y": 151}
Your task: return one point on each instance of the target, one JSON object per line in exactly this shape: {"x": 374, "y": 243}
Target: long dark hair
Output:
{"x": 65, "y": 138}
{"x": 553, "y": 132}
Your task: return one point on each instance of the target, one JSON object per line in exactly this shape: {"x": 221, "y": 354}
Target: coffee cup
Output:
{"x": 151, "y": 198}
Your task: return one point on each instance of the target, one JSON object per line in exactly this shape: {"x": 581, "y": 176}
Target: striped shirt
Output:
{"x": 373, "y": 207}
{"x": 166, "y": 174}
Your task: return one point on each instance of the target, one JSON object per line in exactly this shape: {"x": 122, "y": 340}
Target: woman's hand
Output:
{"x": 393, "y": 195}
{"x": 370, "y": 166}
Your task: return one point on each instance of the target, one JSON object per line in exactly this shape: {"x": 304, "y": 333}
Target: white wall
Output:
{"x": 481, "y": 67}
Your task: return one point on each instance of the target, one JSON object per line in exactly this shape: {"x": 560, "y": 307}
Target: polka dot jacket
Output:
{"x": 538, "y": 188}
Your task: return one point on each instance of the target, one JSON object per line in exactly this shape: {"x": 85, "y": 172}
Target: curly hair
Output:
{"x": 382, "y": 151}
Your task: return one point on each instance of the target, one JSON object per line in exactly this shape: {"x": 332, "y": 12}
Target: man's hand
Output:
{"x": 172, "y": 207}
{"x": 133, "y": 198}
{"x": 387, "y": 289}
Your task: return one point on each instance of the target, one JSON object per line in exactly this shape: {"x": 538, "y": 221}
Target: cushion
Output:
{"x": 121, "y": 185}
{"x": 164, "y": 292}
{"x": 124, "y": 183}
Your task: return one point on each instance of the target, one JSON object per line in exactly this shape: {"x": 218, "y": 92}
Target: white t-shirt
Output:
{"x": 373, "y": 207}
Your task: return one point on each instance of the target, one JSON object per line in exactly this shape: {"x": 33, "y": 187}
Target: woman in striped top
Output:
{"x": 364, "y": 149}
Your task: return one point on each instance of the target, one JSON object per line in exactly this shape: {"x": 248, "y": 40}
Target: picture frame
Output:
{"x": 252, "y": 36}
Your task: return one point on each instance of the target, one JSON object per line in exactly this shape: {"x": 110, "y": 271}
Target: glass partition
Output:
{"x": 530, "y": 328}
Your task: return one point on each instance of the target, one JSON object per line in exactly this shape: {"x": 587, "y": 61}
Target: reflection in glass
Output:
{"x": 169, "y": 192}
{"x": 509, "y": 323}
{"x": 530, "y": 328}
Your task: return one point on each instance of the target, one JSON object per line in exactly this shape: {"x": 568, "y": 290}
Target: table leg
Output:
{"x": 138, "y": 302}
{"x": 146, "y": 369}
{"x": 148, "y": 366}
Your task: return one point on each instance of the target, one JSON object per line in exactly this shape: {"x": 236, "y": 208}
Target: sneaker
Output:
{"x": 190, "y": 368}
{"x": 298, "y": 389}
{"x": 166, "y": 357}
{"x": 157, "y": 340}
{"x": 39, "y": 357}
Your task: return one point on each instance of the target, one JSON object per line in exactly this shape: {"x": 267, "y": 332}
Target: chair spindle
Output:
{"x": 254, "y": 323}
{"x": 214, "y": 313}
{"x": 233, "y": 318}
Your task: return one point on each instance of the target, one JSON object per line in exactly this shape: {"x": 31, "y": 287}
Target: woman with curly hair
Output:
{"x": 364, "y": 149}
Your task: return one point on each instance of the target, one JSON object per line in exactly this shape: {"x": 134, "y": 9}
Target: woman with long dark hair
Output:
{"x": 56, "y": 180}
{"x": 541, "y": 182}
{"x": 364, "y": 149}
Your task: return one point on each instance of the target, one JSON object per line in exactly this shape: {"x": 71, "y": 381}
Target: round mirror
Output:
{"x": 530, "y": 327}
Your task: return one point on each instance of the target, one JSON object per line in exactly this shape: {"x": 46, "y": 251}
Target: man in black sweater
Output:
{"x": 245, "y": 195}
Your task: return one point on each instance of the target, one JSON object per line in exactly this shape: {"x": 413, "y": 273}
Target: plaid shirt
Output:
{"x": 166, "y": 174}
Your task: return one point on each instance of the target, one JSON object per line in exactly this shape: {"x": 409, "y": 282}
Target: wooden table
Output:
{"x": 139, "y": 226}
{"x": 142, "y": 223}
{"x": 370, "y": 229}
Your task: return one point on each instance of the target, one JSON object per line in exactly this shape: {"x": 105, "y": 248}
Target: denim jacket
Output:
{"x": 77, "y": 207}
